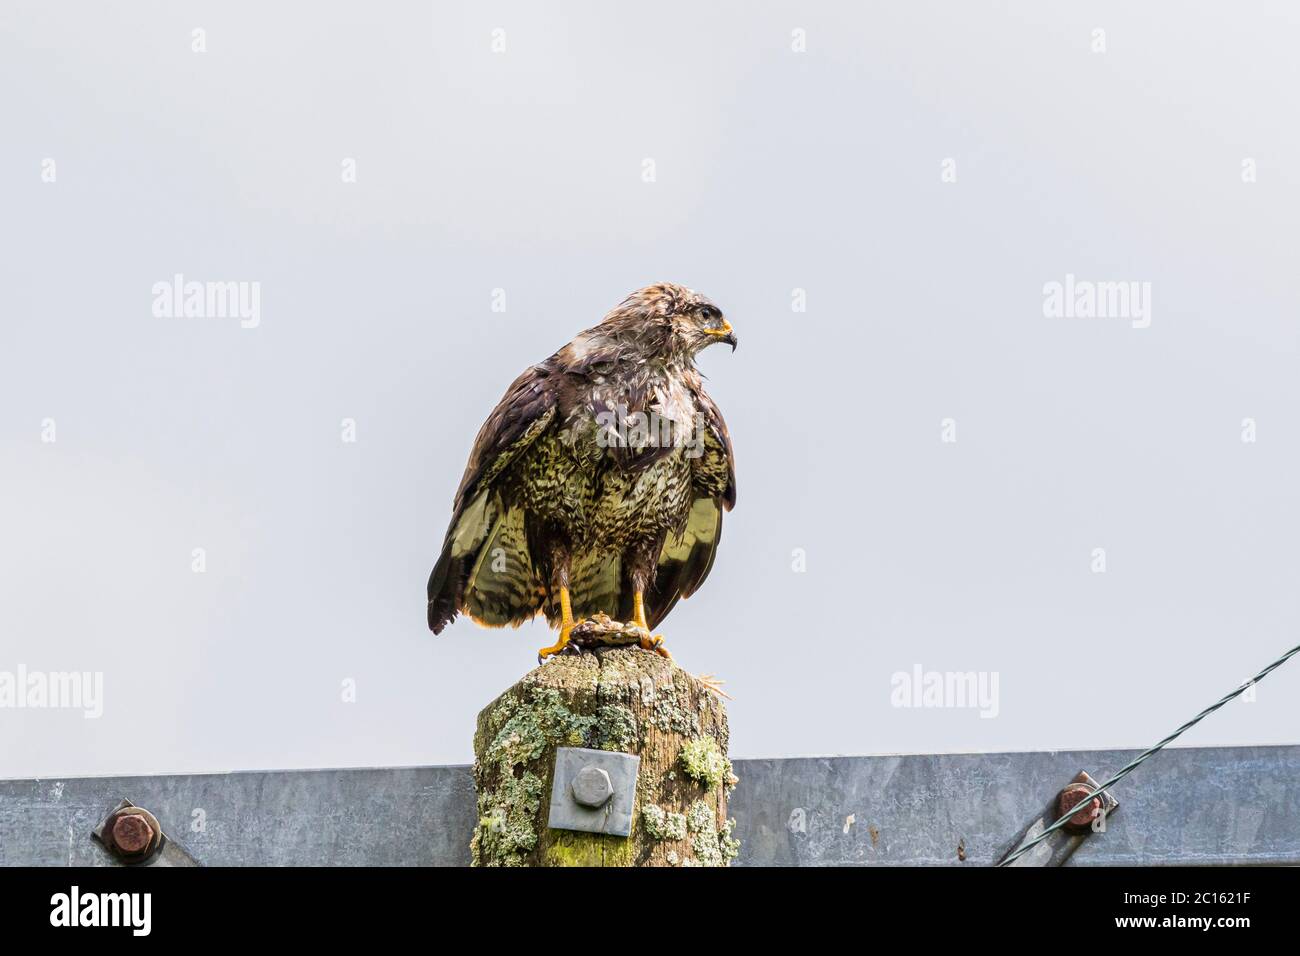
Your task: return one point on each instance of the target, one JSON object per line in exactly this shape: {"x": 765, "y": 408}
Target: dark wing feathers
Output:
{"x": 685, "y": 561}
{"x": 687, "y": 557}
{"x": 718, "y": 458}
{"x": 527, "y": 409}
{"x": 516, "y": 417}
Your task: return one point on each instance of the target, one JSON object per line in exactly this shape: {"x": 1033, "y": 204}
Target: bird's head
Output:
{"x": 672, "y": 320}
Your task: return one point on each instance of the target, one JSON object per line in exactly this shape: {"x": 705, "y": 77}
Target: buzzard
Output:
{"x": 597, "y": 485}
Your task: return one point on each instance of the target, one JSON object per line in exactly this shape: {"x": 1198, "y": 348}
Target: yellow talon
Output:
{"x": 558, "y": 646}
{"x": 651, "y": 642}
{"x": 566, "y": 627}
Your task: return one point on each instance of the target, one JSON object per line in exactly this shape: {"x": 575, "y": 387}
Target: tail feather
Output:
{"x": 502, "y": 586}
{"x": 444, "y": 585}
{"x": 470, "y": 530}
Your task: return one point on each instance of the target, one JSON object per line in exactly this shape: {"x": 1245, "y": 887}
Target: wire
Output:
{"x": 1137, "y": 761}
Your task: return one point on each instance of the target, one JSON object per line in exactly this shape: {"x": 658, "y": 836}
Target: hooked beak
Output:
{"x": 725, "y": 334}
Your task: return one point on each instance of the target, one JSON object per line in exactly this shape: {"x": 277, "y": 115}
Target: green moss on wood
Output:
{"x": 672, "y": 712}
{"x": 702, "y": 760}
{"x": 506, "y": 832}
{"x": 615, "y": 729}
{"x": 711, "y": 844}
{"x": 730, "y": 845}
{"x": 700, "y": 817}
{"x": 529, "y": 728}
{"x": 523, "y": 731}
{"x": 570, "y": 848}
{"x": 622, "y": 700}
{"x": 663, "y": 825}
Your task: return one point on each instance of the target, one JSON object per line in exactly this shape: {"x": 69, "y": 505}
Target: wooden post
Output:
{"x": 615, "y": 698}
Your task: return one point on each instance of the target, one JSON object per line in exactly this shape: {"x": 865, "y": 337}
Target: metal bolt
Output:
{"x": 1071, "y": 797}
{"x": 592, "y": 787}
{"x": 132, "y": 833}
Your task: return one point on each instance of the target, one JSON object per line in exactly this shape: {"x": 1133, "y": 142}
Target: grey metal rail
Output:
{"x": 1204, "y": 805}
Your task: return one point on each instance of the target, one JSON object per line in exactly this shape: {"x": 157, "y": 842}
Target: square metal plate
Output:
{"x": 615, "y": 817}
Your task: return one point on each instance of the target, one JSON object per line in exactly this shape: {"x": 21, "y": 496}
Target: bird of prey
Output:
{"x": 597, "y": 485}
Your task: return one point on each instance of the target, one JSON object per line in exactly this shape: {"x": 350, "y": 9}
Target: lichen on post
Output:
{"x": 616, "y": 698}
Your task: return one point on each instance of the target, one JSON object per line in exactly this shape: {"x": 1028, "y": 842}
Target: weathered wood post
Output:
{"x": 621, "y": 699}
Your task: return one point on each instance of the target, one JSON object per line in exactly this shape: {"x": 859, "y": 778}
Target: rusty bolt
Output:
{"x": 132, "y": 834}
{"x": 1071, "y": 797}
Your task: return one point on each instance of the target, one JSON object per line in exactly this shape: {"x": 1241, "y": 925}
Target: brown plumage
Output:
{"x": 604, "y": 470}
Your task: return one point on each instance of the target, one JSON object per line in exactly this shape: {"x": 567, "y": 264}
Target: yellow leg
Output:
{"x": 649, "y": 642}
{"x": 566, "y": 626}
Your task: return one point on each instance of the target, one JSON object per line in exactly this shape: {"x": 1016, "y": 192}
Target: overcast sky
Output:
{"x": 913, "y": 175}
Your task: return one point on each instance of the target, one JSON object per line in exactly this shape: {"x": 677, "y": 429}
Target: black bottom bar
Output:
{"x": 232, "y": 905}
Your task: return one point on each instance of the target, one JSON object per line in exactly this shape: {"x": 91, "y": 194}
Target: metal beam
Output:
{"x": 1212, "y": 805}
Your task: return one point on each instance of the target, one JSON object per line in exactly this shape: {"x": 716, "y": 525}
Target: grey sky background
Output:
{"x": 776, "y": 170}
